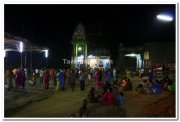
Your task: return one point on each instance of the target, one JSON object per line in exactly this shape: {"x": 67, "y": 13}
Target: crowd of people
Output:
{"x": 61, "y": 78}
{"x": 154, "y": 85}
{"x": 112, "y": 88}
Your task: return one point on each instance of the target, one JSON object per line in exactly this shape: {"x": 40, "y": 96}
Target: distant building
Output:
{"x": 160, "y": 53}
{"x": 147, "y": 55}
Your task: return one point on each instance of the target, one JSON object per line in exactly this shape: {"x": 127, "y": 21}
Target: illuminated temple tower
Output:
{"x": 79, "y": 54}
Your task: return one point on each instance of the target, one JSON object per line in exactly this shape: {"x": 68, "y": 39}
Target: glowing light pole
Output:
{"x": 46, "y": 56}
{"x": 21, "y": 50}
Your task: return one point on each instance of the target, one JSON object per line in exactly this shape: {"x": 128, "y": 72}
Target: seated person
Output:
{"x": 143, "y": 87}
{"x": 83, "y": 110}
{"x": 172, "y": 87}
{"x": 157, "y": 87}
{"x": 92, "y": 97}
{"x": 167, "y": 82}
{"x": 108, "y": 97}
{"x": 125, "y": 84}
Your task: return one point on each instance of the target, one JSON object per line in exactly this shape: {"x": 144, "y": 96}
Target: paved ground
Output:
{"x": 34, "y": 101}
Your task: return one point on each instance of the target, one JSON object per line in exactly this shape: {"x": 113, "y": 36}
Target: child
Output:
{"x": 120, "y": 99}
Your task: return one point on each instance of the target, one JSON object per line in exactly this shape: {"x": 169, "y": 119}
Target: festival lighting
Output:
{"x": 164, "y": 17}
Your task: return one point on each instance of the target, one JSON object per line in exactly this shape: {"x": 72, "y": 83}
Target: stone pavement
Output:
{"x": 16, "y": 99}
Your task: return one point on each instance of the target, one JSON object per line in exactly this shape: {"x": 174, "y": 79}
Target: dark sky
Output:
{"x": 106, "y": 25}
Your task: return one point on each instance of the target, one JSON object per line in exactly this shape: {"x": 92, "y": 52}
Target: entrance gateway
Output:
{"x": 138, "y": 58}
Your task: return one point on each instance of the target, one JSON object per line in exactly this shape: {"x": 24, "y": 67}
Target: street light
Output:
{"x": 164, "y": 17}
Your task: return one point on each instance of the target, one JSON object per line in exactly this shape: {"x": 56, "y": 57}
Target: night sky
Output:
{"x": 106, "y": 25}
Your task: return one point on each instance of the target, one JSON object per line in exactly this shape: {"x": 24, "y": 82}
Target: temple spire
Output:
{"x": 79, "y": 33}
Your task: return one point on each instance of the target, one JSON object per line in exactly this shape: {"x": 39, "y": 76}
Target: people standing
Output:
{"x": 73, "y": 80}
{"x": 46, "y": 79}
{"x": 41, "y": 76}
{"x": 121, "y": 99}
{"x": 108, "y": 78}
{"x": 150, "y": 76}
{"x": 97, "y": 79}
{"x": 68, "y": 78}
{"x": 36, "y": 75}
{"x": 8, "y": 79}
{"x": 114, "y": 74}
{"x": 141, "y": 72}
{"x": 62, "y": 80}
{"x": 22, "y": 78}
{"x": 82, "y": 80}
{"x": 17, "y": 78}
{"x": 58, "y": 80}
{"x": 53, "y": 76}
{"x": 89, "y": 74}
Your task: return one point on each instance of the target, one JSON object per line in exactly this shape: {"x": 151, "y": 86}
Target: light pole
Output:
{"x": 21, "y": 50}
{"x": 46, "y": 56}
